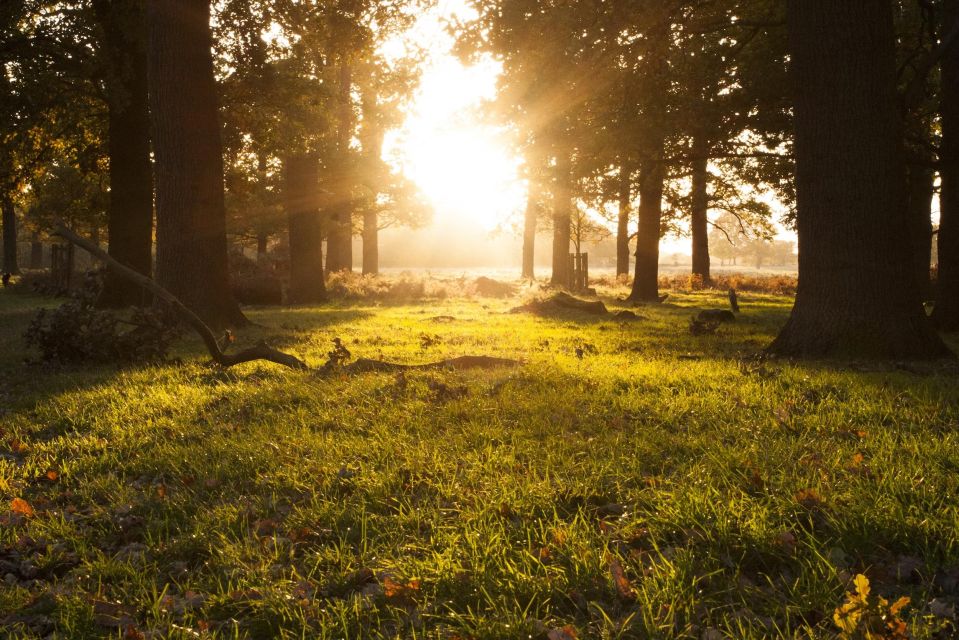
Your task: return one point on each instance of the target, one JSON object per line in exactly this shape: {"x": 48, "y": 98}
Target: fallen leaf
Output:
{"x": 399, "y": 590}
{"x": 21, "y": 506}
{"x": 52, "y": 475}
{"x": 623, "y": 586}
{"x": 564, "y": 633}
{"x": 809, "y": 498}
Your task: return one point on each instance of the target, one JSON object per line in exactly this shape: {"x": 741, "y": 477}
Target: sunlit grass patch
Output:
{"x": 629, "y": 480}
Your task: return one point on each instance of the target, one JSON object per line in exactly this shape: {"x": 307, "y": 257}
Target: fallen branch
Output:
{"x": 565, "y": 301}
{"x": 365, "y": 365}
{"x": 262, "y": 351}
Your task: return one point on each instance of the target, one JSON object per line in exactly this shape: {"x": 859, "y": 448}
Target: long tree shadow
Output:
{"x": 25, "y": 381}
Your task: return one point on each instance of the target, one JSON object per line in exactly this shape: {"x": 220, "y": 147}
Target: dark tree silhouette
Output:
{"x": 945, "y": 315}
{"x": 130, "y": 217}
{"x": 301, "y": 198}
{"x": 857, "y": 295}
{"x": 191, "y": 217}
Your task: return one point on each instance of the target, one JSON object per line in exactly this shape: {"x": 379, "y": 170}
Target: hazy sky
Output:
{"x": 464, "y": 166}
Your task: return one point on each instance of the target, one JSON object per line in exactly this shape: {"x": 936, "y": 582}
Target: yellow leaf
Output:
{"x": 862, "y": 586}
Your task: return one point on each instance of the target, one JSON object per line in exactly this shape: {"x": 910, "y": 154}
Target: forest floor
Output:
{"x": 629, "y": 480}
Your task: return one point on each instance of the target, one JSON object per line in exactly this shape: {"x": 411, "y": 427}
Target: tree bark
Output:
{"x": 562, "y": 205}
{"x": 622, "y": 221}
{"x": 130, "y": 215}
{"x": 340, "y": 233}
{"x": 371, "y": 242}
{"x": 191, "y": 216}
{"x": 945, "y": 314}
{"x": 699, "y": 209}
{"x": 646, "y": 276}
{"x": 9, "y": 235}
{"x": 857, "y": 295}
{"x": 301, "y": 198}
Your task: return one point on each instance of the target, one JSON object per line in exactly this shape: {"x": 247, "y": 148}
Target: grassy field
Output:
{"x": 629, "y": 480}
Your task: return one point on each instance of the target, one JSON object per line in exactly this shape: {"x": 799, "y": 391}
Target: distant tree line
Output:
{"x": 268, "y": 122}
{"x": 671, "y": 111}
{"x": 138, "y": 122}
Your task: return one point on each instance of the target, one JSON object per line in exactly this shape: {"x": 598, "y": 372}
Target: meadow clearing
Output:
{"x": 627, "y": 480}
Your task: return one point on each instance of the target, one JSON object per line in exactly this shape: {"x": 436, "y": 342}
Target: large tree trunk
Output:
{"x": 371, "y": 242}
{"x": 9, "y": 235}
{"x": 622, "y": 221}
{"x": 130, "y": 217}
{"x": 646, "y": 277}
{"x": 562, "y": 205}
{"x": 857, "y": 295}
{"x": 301, "y": 198}
{"x": 945, "y": 315}
{"x": 699, "y": 208}
{"x": 340, "y": 233}
{"x": 191, "y": 216}
{"x": 920, "y": 190}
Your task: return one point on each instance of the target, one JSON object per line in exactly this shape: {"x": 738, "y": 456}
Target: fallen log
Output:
{"x": 564, "y": 301}
{"x": 262, "y": 351}
{"x": 365, "y": 365}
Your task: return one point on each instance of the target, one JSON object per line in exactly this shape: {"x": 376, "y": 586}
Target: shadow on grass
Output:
{"x": 24, "y": 382}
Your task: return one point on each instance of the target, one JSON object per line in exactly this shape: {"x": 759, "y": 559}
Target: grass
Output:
{"x": 660, "y": 486}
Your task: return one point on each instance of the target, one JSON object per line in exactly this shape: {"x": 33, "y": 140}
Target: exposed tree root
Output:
{"x": 365, "y": 365}
{"x": 262, "y": 351}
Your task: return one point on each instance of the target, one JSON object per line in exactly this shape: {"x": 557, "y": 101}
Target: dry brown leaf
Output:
{"x": 564, "y": 633}
{"x": 809, "y": 498}
{"x": 21, "y": 506}
{"x": 624, "y": 587}
{"x": 396, "y": 590}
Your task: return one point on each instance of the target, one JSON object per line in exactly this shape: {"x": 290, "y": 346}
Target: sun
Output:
{"x": 464, "y": 167}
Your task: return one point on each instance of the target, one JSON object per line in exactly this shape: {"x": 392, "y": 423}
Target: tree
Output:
{"x": 945, "y": 315}
{"x": 856, "y": 295}
{"x": 301, "y": 191}
{"x": 191, "y": 215}
{"x": 130, "y": 221}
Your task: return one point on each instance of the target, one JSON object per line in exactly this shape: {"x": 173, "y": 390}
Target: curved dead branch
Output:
{"x": 262, "y": 351}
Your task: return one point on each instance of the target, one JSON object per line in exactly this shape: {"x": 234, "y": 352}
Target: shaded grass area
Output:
{"x": 630, "y": 480}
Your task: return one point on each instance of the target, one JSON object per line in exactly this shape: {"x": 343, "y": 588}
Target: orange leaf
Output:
{"x": 566, "y": 633}
{"x": 21, "y": 506}
{"x": 52, "y": 475}
{"x": 394, "y": 589}
{"x": 623, "y": 586}
{"x": 808, "y": 498}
